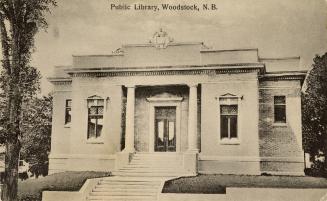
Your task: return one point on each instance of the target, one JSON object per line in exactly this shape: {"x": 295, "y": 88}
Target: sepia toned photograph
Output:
{"x": 163, "y": 100}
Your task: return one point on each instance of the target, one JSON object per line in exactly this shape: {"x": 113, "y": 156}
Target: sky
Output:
{"x": 278, "y": 28}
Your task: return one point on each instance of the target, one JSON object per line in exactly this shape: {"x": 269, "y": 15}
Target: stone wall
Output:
{"x": 217, "y": 156}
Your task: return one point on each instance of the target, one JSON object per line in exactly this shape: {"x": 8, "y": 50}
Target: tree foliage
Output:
{"x": 36, "y": 134}
{"x": 315, "y": 110}
{"x": 20, "y": 20}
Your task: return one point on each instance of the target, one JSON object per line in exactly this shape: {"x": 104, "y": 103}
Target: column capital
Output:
{"x": 193, "y": 84}
{"x": 130, "y": 85}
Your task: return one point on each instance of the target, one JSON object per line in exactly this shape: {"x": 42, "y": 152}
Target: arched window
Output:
{"x": 95, "y": 105}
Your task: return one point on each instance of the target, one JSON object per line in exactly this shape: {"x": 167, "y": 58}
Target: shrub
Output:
{"x": 317, "y": 169}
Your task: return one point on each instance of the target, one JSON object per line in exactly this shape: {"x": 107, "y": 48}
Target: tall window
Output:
{"x": 228, "y": 121}
{"x": 280, "y": 109}
{"x": 68, "y": 111}
{"x": 95, "y": 116}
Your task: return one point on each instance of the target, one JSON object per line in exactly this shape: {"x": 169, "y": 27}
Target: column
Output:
{"x": 192, "y": 119}
{"x": 130, "y": 108}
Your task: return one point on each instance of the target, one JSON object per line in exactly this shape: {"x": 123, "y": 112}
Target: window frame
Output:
{"x": 93, "y": 101}
{"x": 274, "y": 110}
{"x": 229, "y": 118}
{"x": 229, "y": 100}
{"x": 67, "y": 109}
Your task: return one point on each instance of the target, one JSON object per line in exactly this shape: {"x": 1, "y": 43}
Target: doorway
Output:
{"x": 165, "y": 129}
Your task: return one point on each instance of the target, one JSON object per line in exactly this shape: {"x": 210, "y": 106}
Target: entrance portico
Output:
{"x": 166, "y": 112}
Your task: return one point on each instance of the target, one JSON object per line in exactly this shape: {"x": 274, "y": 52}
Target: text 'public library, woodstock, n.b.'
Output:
{"x": 199, "y": 109}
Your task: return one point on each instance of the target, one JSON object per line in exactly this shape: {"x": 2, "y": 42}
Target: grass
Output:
{"x": 29, "y": 190}
{"x": 216, "y": 184}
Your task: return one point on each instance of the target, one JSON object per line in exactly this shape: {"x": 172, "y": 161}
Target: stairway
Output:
{"x": 140, "y": 180}
{"x": 118, "y": 188}
{"x": 153, "y": 165}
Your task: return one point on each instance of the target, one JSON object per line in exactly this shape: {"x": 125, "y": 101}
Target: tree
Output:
{"x": 36, "y": 134}
{"x": 20, "y": 20}
{"x": 315, "y": 110}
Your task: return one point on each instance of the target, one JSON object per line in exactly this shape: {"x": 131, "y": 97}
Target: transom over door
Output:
{"x": 165, "y": 129}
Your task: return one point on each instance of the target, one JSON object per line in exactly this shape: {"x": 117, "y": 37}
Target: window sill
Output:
{"x": 94, "y": 141}
{"x": 229, "y": 141}
{"x": 67, "y": 125}
{"x": 280, "y": 124}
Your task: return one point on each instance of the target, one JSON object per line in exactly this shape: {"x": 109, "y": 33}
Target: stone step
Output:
{"x": 151, "y": 168}
{"x": 163, "y": 164}
{"x": 148, "y": 174}
{"x": 108, "y": 186}
{"x": 149, "y": 183}
{"x": 123, "y": 193}
{"x": 157, "y": 159}
{"x": 121, "y": 179}
{"x": 113, "y": 198}
{"x": 143, "y": 189}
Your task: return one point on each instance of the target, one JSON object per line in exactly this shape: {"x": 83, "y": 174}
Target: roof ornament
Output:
{"x": 118, "y": 51}
{"x": 161, "y": 39}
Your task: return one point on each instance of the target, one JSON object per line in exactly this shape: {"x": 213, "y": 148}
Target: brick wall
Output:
{"x": 280, "y": 140}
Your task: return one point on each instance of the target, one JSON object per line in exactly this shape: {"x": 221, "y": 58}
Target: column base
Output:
{"x": 122, "y": 159}
{"x": 128, "y": 150}
{"x": 192, "y": 151}
{"x": 190, "y": 160}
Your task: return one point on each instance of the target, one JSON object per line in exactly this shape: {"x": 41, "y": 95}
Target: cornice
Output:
{"x": 295, "y": 75}
{"x": 167, "y": 70}
{"x": 60, "y": 80}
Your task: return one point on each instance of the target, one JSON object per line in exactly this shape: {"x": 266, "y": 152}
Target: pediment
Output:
{"x": 228, "y": 95}
{"x": 95, "y": 97}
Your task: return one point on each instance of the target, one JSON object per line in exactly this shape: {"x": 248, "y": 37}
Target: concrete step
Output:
{"x": 151, "y": 168}
{"x": 148, "y": 174}
{"x": 143, "y": 189}
{"x": 132, "y": 198}
{"x": 123, "y": 193}
{"x": 162, "y": 165}
{"x": 113, "y": 187}
{"x": 148, "y": 183}
{"x": 121, "y": 179}
{"x": 157, "y": 158}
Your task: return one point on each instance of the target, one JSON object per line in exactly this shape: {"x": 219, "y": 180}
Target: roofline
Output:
{"x": 280, "y": 58}
{"x": 169, "y": 44}
{"x": 159, "y": 68}
{"x": 231, "y": 50}
{"x": 285, "y": 75}
{"x": 98, "y": 55}
{"x": 62, "y": 66}
{"x": 59, "y": 79}
{"x": 286, "y": 72}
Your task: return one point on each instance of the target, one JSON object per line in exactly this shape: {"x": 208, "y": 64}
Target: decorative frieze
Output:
{"x": 137, "y": 72}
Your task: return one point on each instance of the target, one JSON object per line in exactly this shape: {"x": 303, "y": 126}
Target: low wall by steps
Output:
{"x": 252, "y": 194}
{"x": 232, "y": 194}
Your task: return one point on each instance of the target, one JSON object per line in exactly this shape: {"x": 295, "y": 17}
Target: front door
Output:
{"x": 165, "y": 129}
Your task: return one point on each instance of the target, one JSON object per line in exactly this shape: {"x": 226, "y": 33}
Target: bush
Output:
{"x": 317, "y": 169}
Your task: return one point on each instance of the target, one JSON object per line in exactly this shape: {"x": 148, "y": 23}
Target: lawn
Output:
{"x": 215, "y": 184}
{"x": 31, "y": 189}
